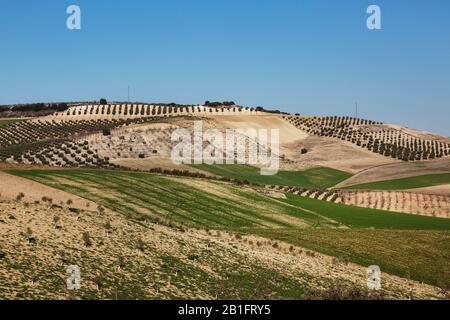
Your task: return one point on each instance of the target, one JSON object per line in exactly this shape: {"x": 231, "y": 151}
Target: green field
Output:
{"x": 218, "y": 204}
{"x": 311, "y": 178}
{"x": 419, "y": 255}
{"x": 157, "y": 198}
{"x": 406, "y": 183}
{"x": 400, "y": 243}
{"x": 4, "y": 122}
{"x": 357, "y": 217}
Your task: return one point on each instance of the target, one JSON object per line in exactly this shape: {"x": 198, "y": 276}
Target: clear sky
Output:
{"x": 308, "y": 56}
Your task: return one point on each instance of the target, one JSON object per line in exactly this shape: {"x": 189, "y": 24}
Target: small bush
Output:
{"x": 20, "y": 196}
{"x": 74, "y": 210}
{"x": 120, "y": 262}
{"x": 29, "y": 236}
{"x": 108, "y": 226}
{"x": 46, "y": 199}
{"x": 140, "y": 245}
{"x": 87, "y": 239}
{"x": 99, "y": 281}
{"x": 340, "y": 292}
{"x": 100, "y": 209}
{"x": 56, "y": 220}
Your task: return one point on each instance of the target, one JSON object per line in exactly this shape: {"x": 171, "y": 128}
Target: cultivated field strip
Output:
{"x": 419, "y": 181}
{"x": 311, "y": 178}
{"x": 361, "y": 217}
{"x": 133, "y": 111}
{"x": 170, "y": 201}
{"x": 400, "y": 243}
{"x": 148, "y": 196}
{"x": 61, "y": 144}
{"x": 399, "y": 201}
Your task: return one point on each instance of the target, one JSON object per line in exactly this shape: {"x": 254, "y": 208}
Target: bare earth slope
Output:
{"x": 437, "y": 190}
{"x": 397, "y": 171}
{"x": 288, "y": 133}
{"x": 11, "y": 186}
{"x": 333, "y": 153}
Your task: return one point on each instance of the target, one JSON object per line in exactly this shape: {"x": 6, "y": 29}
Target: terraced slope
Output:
{"x": 38, "y": 130}
{"x": 133, "y": 111}
{"x": 65, "y": 143}
{"x": 386, "y": 140}
{"x": 414, "y": 202}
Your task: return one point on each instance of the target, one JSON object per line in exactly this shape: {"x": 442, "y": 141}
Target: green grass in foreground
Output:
{"x": 406, "y": 183}
{"x": 311, "y": 178}
{"x": 365, "y": 236}
{"x": 420, "y": 255}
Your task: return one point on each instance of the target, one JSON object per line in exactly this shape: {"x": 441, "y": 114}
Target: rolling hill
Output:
{"x": 95, "y": 186}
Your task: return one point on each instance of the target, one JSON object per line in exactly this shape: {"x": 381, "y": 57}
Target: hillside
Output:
{"x": 121, "y": 259}
{"x": 398, "y": 171}
{"x": 95, "y": 185}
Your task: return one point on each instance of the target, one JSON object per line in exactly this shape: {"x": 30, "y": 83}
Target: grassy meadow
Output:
{"x": 310, "y": 178}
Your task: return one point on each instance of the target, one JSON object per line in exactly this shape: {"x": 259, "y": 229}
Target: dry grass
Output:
{"x": 127, "y": 260}
{"x": 398, "y": 170}
{"x": 433, "y": 205}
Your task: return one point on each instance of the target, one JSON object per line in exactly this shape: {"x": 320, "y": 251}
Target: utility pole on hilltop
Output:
{"x": 356, "y": 109}
{"x": 128, "y": 93}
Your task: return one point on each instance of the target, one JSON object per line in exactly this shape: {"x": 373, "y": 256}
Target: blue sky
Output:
{"x": 312, "y": 56}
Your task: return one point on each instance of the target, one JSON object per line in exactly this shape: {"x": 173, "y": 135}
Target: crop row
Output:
{"x": 143, "y": 110}
{"x": 384, "y": 140}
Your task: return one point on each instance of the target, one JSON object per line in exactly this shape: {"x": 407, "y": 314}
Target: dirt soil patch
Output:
{"x": 397, "y": 171}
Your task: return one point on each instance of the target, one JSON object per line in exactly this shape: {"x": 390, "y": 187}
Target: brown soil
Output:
{"x": 337, "y": 154}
